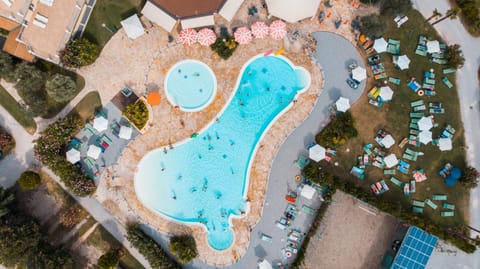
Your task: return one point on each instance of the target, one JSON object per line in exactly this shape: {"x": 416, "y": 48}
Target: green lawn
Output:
{"x": 110, "y": 12}
{"x": 394, "y": 118}
{"x": 87, "y": 106}
{"x": 17, "y": 111}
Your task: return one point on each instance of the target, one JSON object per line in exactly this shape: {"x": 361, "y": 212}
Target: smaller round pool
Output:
{"x": 190, "y": 85}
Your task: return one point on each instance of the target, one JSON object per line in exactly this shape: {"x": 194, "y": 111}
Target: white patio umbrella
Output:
{"x": 388, "y": 141}
{"x": 380, "y": 45}
{"x": 402, "y": 62}
{"x": 425, "y": 137}
{"x": 316, "y": 153}
{"x": 73, "y": 155}
{"x": 94, "y": 151}
{"x": 445, "y": 144}
{"x": 386, "y": 93}
{"x": 425, "y": 124}
{"x": 433, "y": 46}
{"x": 125, "y": 132}
{"x": 342, "y": 104}
{"x": 308, "y": 192}
{"x": 390, "y": 161}
{"x": 264, "y": 265}
{"x": 100, "y": 124}
{"x": 359, "y": 73}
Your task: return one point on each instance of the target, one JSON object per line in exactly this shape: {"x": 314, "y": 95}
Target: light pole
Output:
{"x": 105, "y": 26}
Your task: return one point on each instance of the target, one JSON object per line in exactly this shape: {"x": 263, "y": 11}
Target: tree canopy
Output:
{"x": 184, "y": 247}
{"x": 454, "y": 56}
{"x": 395, "y": 7}
{"x": 79, "y": 52}
{"x": 372, "y": 25}
{"x": 7, "y": 67}
{"x": 109, "y": 260}
{"x": 29, "y": 180}
{"x": 338, "y": 131}
{"x": 61, "y": 88}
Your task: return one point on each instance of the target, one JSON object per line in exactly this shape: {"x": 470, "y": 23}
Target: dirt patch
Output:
{"x": 352, "y": 235}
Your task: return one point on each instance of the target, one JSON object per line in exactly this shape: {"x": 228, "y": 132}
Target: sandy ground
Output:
{"x": 350, "y": 236}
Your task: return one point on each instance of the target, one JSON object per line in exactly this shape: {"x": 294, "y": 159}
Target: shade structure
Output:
{"x": 342, "y": 104}
{"x": 390, "y": 161}
{"x": 292, "y": 11}
{"x": 316, "y": 153}
{"x": 153, "y": 98}
{"x": 243, "y": 35}
{"x": 402, "y": 61}
{"x": 388, "y": 141}
{"x": 380, "y": 45}
{"x": 94, "y": 151}
{"x": 197, "y": 22}
{"x": 125, "y": 132}
{"x": 206, "y": 37}
{"x": 425, "y": 137}
{"x": 386, "y": 93}
{"x": 425, "y": 123}
{"x": 133, "y": 27}
{"x": 278, "y": 29}
{"x": 158, "y": 16}
{"x": 308, "y": 192}
{"x": 188, "y": 36}
{"x": 100, "y": 123}
{"x": 445, "y": 144}
{"x": 433, "y": 46}
{"x": 264, "y": 264}
{"x": 73, "y": 155}
{"x": 359, "y": 73}
{"x": 260, "y": 29}
{"x": 229, "y": 8}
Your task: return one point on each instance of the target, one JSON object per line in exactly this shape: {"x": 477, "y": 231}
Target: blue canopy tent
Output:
{"x": 452, "y": 178}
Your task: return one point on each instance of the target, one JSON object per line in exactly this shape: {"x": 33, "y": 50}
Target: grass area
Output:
{"x": 394, "y": 118}
{"x": 109, "y": 12}
{"x": 86, "y": 108}
{"x": 17, "y": 111}
{"x": 104, "y": 241}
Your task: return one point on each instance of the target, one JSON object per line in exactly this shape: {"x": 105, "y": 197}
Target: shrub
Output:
{"x": 7, "y": 67}
{"x": 470, "y": 10}
{"x": 61, "y": 88}
{"x": 372, "y": 26}
{"x": 30, "y": 86}
{"x": 71, "y": 216}
{"x": 79, "y": 52}
{"x": 29, "y": 180}
{"x": 7, "y": 143}
{"x": 454, "y": 56}
{"x": 109, "y": 260}
{"x": 224, "y": 46}
{"x": 338, "y": 131}
{"x": 395, "y": 7}
{"x": 137, "y": 113}
{"x": 469, "y": 177}
{"x": 184, "y": 247}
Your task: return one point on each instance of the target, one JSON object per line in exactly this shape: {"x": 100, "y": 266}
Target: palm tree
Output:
{"x": 451, "y": 13}
{"x": 435, "y": 13}
{"x": 6, "y": 199}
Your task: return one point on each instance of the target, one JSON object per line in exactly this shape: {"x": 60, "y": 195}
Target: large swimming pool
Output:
{"x": 204, "y": 179}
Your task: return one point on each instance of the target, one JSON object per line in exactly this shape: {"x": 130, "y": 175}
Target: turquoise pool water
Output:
{"x": 191, "y": 85}
{"x": 204, "y": 179}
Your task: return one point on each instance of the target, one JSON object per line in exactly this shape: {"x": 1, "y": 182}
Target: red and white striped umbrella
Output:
{"x": 206, "y": 37}
{"x": 188, "y": 36}
{"x": 260, "y": 29}
{"x": 243, "y": 35}
{"x": 278, "y": 29}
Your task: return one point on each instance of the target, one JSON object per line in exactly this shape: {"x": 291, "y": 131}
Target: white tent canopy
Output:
{"x": 100, "y": 124}
{"x": 388, "y": 141}
{"x": 230, "y": 8}
{"x": 73, "y": 156}
{"x": 445, "y": 144}
{"x": 425, "y": 137}
{"x": 158, "y": 16}
{"x": 433, "y": 46}
{"x": 316, "y": 153}
{"x": 197, "y": 22}
{"x": 292, "y": 11}
{"x": 125, "y": 132}
{"x": 390, "y": 161}
{"x": 342, "y": 104}
{"x": 133, "y": 27}
{"x": 308, "y": 192}
{"x": 425, "y": 123}
{"x": 386, "y": 93}
{"x": 264, "y": 265}
{"x": 380, "y": 45}
{"x": 359, "y": 73}
{"x": 402, "y": 61}
{"x": 94, "y": 151}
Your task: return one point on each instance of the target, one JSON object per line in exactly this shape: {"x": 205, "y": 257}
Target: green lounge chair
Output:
{"x": 415, "y": 120}
{"x": 417, "y": 209}
{"x": 429, "y": 81}
{"x": 449, "y": 71}
{"x": 389, "y": 172}
{"x": 447, "y": 214}
{"x": 439, "y": 197}
{"x": 443, "y": 46}
{"x": 395, "y": 81}
{"x": 417, "y": 115}
{"x": 438, "y": 55}
{"x": 107, "y": 140}
{"x": 431, "y": 204}
{"x": 436, "y": 110}
{"x": 439, "y": 61}
{"x": 447, "y": 82}
{"x": 89, "y": 129}
{"x": 419, "y": 108}
{"x": 414, "y": 132}
{"x": 396, "y": 182}
{"x": 420, "y": 51}
{"x": 418, "y": 203}
{"x": 413, "y": 126}
{"x": 309, "y": 210}
{"x": 417, "y": 103}
{"x": 449, "y": 206}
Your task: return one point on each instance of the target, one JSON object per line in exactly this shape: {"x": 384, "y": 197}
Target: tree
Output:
{"x": 49, "y": 257}
{"x": 71, "y": 216}
{"x": 451, "y": 13}
{"x": 435, "y": 13}
{"x": 109, "y": 260}
{"x": 395, "y": 7}
{"x": 224, "y": 46}
{"x": 469, "y": 177}
{"x": 184, "y": 247}
{"x": 30, "y": 86}
{"x": 6, "y": 200}
{"x": 61, "y": 88}
{"x": 7, "y": 143}
{"x": 372, "y": 26}
{"x": 79, "y": 52}
{"x": 29, "y": 180}
{"x": 7, "y": 67}
{"x": 454, "y": 56}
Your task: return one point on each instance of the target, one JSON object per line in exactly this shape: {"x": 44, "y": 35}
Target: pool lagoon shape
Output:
{"x": 191, "y": 85}
{"x": 204, "y": 180}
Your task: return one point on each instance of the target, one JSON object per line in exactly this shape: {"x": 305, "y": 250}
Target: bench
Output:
{"x": 396, "y": 181}
{"x": 439, "y": 197}
{"x": 448, "y": 206}
{"x": 418, "y": 203}
{"x": 447, "y": 214}
{"x": 431, "y": 204}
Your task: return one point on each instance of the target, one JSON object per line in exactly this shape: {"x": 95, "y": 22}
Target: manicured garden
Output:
{"x": 137, "y": 113}
{"x": 86, "y": 108}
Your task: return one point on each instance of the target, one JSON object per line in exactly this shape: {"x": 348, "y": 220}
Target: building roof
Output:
{"x": 15, "y": 10}
{"x": 14, "y": 47}
{"x": 133, "y": 27}
{"x": 7, "y": 24}
{"x": 181, "y": 9}
{"x": 415, "y": 250}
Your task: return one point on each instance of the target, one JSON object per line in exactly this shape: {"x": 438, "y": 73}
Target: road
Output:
{"x": 453, "y": 32}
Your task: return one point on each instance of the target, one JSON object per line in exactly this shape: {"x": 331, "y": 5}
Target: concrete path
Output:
{"x": 453, "y": 32}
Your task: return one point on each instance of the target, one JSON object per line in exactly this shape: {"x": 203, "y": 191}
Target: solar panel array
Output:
{"x": 416, "y": 248}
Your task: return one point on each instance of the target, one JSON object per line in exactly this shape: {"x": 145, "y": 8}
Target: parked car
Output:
{"x": 352, "y": 83}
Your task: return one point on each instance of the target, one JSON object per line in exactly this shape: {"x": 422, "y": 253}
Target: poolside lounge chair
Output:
{"x": 418, "y": 203}
{"x": 302, "y": 161}
{"x": 438, "y": 55}
{"x": 396, "y": 182}
{"x": 309, "y": 210}
{"x": 266, "y": 238}
{"x": 439, "y": 197}
{"x": 449, "y": 71}
{"x": 449, "y": 206}
{"x": 89, "y": 162}
{"x": 431, "y": 204}
{"x": 417, "y": 103}
{"x": 417, "y": 209}
{"x": 430, "y": 92}
{"x": 436, "y": 110}
{"x": 435, "y": 105}
{"x": 420, "y": 51}
{"x": 447, "y": 82}
{"x": 430, "y": 81}
{"x": 389, "y": 172}
{"x": 419, "y": 108}
{"x": 447, "y": 214}
{"x": 89, "y": 130}
{"x": 417, "y": 115}
{"x": 439, "y": 61}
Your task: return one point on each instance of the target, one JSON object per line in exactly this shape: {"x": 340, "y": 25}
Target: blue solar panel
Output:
{"x": 415, "y": 250}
